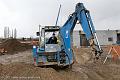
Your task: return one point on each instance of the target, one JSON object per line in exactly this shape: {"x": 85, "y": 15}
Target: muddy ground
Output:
{"x": 20, "y": 67}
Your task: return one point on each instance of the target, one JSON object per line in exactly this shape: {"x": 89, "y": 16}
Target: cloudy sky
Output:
{"x": 26, "y": 15}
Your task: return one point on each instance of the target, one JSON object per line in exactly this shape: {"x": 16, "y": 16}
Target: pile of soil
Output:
{"x": 27, "y": 71}
{"x": 23, "y": 71}
{"x": 83, "y": 55}
{"x": 13, "y": 46}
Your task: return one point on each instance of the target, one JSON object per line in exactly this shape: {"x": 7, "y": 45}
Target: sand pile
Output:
{"x": 13, "y": 46}
{"x": 26, "y": 71}
{"x": 83, "y": 55}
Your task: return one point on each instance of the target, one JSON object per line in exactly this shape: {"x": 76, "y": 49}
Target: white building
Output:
{"x": 105, "y": 37}
{"x": 76, "y": 38}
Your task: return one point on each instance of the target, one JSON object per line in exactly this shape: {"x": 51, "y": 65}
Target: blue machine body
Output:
{"x": 82, "y": 16}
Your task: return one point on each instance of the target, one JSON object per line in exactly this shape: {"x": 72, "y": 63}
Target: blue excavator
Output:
{"x": 57, "y": 50}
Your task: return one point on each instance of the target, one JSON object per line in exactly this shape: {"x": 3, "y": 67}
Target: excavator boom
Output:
{"x": 83, "y": 16}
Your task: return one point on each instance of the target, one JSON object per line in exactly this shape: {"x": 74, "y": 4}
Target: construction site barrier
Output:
{"x": 114, "y": 51}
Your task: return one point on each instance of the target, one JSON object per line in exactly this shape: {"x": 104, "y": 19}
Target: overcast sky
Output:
{"x": 26, "y": 15}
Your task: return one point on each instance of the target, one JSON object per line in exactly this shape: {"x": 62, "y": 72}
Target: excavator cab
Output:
{"x": 51, "y": 38}
{"x": 46, "y": 52}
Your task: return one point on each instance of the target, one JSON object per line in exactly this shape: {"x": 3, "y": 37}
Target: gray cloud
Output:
{"x": 26, "y": 15}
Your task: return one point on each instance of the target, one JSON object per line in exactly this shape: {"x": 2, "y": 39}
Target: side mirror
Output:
{"x": 38, "y": 33}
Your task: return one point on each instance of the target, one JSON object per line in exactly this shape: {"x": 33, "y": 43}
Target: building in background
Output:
{"x": 105, "y": 37}
{"x": 76, "y": 38}
{"x": 118, "y": 36}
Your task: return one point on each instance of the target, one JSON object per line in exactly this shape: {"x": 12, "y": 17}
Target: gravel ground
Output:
{"x": 20, "y": 67}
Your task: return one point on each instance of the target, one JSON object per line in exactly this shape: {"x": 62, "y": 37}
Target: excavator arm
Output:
{"x": 82, "y": 15}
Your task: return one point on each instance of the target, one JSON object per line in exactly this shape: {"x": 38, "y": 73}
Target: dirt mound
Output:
{"x": 83, "y": 55}
{"x": 13, "y": 46}
{"x": 26, "y": 71}
{"x": 23, "y": 71}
